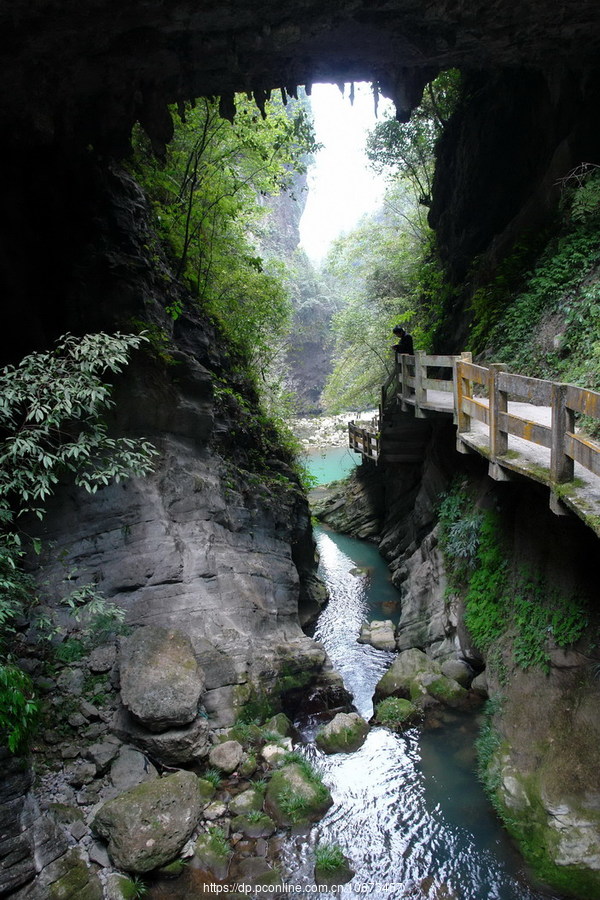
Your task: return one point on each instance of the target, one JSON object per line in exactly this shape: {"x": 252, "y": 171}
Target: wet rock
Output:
{"x": 379, "y": 634}
{"x": 458, "y": 670}
{"x": 446, "y": 691}
{"x": 161, "y": 681}
{"x": 344, "y": 734}
{"x": 226, "y": 756}
{"x": 177, "y": 746}
{"x": 294, "y": 797}
{"x": 131, "y": 768}
{"x": 261, "y": 826}
{"x": 400, "y": 679}
{"x": 256, "y": 871}
{"x": 396, "y": 713}
{"x": 147, "y": 826}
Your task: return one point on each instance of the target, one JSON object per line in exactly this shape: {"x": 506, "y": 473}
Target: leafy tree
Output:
{"x": 385, "y": 270}
{"x": 50, "y": 426}
{"x": 408, "y": 147}
{"x": 207, "y": 196}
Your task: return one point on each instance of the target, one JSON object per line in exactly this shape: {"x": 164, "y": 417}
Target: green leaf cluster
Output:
{"x": 503, "y": 604}
{"x": 207, "y": 196}
{"x": 51, "y": 426}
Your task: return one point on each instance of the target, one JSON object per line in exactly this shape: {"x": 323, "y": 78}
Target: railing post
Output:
{"x": 462, "y": 389}
{"x": 562, "y": 467}
{"x": 498, "y": 403}
{"x": 420, "y": 389}
{"x": 404, "y": 388}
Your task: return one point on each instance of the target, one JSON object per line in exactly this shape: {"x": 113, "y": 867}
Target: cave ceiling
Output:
{"x": 82, "y": 71}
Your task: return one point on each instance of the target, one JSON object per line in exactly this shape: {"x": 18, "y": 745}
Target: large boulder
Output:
{"x": 161, "y": 681}
{"x": 344, "y": 734}
{"x": 401, "y": 679}
{"x": 175, "y": 747}
{"x": 379, "y": 634}
{"x": 296, "y": 796}
{"x": 147, "y": 826}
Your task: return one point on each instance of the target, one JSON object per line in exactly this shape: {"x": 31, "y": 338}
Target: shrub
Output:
{"x": 329, "y": 858}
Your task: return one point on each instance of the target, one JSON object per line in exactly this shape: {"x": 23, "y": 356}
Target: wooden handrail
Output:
{"x": 411, "y": 381}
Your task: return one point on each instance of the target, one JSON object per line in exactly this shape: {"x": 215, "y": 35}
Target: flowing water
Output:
{"x": 408, "y": 810}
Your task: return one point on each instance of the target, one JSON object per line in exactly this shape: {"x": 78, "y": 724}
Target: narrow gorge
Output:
{"x": 168, "y": 721}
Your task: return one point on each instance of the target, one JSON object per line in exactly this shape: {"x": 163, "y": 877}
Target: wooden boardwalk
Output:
{"x": 523, "y": 426}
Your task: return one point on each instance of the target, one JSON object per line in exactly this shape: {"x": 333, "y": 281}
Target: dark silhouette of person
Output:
{"x": 405, "y": 341}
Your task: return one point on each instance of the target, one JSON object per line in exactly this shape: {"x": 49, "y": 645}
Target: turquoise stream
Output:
{"x": 408, "y": 810}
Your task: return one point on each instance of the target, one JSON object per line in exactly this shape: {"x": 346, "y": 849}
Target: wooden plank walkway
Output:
{"x": 527, "y": 430}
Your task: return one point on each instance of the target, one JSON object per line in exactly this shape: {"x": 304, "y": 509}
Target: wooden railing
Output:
{"x": 561, "y": 402}
{"x": 483, "y": 394}
{"x": 364, "y": 438}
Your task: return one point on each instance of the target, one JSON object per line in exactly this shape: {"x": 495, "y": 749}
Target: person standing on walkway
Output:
{"x": 405, "y": 341}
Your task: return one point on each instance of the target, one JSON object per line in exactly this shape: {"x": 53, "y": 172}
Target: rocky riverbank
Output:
{"x": 326, "y": 431}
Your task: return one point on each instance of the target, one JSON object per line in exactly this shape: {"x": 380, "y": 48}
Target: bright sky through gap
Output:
{"x": 341, "y": 186}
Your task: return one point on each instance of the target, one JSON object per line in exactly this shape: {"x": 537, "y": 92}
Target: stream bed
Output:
{"x": 408, "y": 809}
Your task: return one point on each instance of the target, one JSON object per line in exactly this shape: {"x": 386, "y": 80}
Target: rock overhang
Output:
{"x": 84, "y": 73}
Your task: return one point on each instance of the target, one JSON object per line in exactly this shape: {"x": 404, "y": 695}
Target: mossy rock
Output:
{"x": 279, "y": 724}
{"x": 206, "y": 790}
{"x": 246, "y": 802}
{"x": 256, "y": 871}
{"x": 262, "y": 827}
{"x": 401, "y": 678}
{"x": 342, "y": 875}
{"x": 71, "y": 879}
{"x": 172, "y": 870}
{"x": 213, "y": 854}
{"x": 147, "y": 826}
{"x": 446, "y": 690}
{"x": 248, "y": 766}
{"x": 396, "y": 713}
{"x": 295, "y": 796}
{"x": 344, "y": 734}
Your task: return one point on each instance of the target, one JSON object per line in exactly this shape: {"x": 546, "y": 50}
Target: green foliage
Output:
{"x": 19, "y": 711}
{"x": 410, "y": 146}
{"x": 213, "y": 776}
{"x": 329, "y": 858}
{"x": 132, "y": 888}
{"x": 386, "y": 271}
{"x": 218, "y": 843}
{"x": 394, "y": 712}
{"x": 540, "y": 311}
{"x": 50, "y": 416}
{"x": 207, "y": 199}
{"x": 50, "y": 408}
{"x": 487, "y": 745}
{"x": 501, "y": 604}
